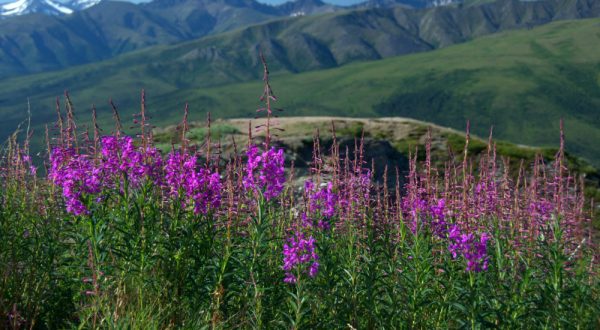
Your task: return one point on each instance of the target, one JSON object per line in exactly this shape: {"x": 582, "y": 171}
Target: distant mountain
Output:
{"x": 294, "y": 44}
{"x": 175, "y": 8}
{"x": 521, "y": 82}
{"x": 290, "y": 8}
{"x": 196, "y": 18}
{"x": 78, "y": 5}
{"x": 405, "y": 3}
{"x": 46, "y": 7}
{"x": 84, "y": 31}
{"x": 311, "y": 43}
{"x": 22, "y": 7}
{"x": 306, "y": 7}
{"x": 39, "y": 43}
{"x": 97, "y": 30}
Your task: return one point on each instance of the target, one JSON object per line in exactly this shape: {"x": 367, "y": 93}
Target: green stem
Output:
{"x": 299, "y": 302}
{"x": 473, "y": 299}
{"x": 257, "y": 233}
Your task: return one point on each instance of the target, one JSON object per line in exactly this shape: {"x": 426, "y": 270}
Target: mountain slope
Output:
{"x": 37, "y": 43}
{"x": 521, "y": 82}
{"x": 292, "y": 45}
{"x": 45, "y": 7}
{"x": 406, "y": 3}
{"x": 99, "y": 30}
{"x": 306, "y": 7}
{"x": 43, "y": 43}
{"x": 291, "y": 8}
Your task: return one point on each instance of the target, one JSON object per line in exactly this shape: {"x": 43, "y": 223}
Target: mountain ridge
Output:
{"x": 556, "y": 75}
{"x": 108, "y": 29}
{"x": 23, "y": 7}
{"x": 307, "y": 7}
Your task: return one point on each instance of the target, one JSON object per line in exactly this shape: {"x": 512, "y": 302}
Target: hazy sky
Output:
{"x": 337, "y": 2}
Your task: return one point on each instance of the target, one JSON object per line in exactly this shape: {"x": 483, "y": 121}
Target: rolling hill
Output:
{"x": 522, "y": 82}
{"x": 40, "y": 43}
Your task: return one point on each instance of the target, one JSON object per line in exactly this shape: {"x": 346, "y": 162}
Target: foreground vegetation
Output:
{"x": 118, "y": 235}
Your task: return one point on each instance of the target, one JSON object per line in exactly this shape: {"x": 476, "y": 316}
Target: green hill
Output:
{"x": 40, "y": 43}
{"x": 522, "y": 82}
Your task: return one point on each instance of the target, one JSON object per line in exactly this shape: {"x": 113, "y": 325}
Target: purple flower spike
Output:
{"x": 298, "y": 253}
{"x": 120, "y": 157}
{"x": 323, "y": 201}
{"x": 265, "y": 171}
{"x": 473, "y": 249}
{"x": 184, "y": 180}
{"x": 76, "y": 175}
{"x": 321, "y": 205}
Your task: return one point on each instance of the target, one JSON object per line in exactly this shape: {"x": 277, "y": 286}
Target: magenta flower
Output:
{"x": 120, "y": 157}
{"x": 438, "y": 218}
{"x": 355, "y": 194}
{"x": 300, "y": 254}
{"x": 185, "y": 181}
{"x": 265, "y": 171}
{"x": 204, "y": 188}
{"x": 153, "y": 165}
{"x": 541, "y": 210}
{"x": 321, "y": 204}
{"x": 177, "y": 167}
{"x": 473, "y": 249}
{"x": 76, "y": 175}
{"x": 323, "y": 201}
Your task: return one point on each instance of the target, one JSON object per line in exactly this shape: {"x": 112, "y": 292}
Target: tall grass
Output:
{"x": 118, "y": 235}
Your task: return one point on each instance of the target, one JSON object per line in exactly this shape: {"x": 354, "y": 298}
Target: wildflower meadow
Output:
{"x": 111, "y": 233}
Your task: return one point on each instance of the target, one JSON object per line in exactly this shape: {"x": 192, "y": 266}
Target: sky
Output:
{"x": 272, "y": 2}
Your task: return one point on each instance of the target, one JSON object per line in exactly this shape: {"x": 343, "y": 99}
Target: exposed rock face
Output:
{"x": 377, "y": 155}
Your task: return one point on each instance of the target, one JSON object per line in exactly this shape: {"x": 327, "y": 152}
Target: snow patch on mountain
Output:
{"x": 48, "y": 7}
{"x": 82, "y": 4}
{"x": 438, "y": 3}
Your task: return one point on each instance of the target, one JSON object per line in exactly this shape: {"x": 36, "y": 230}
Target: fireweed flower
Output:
{"x": 154, "y": 164}
{"x": 472, "y": 248}
{"x": 541, "y": 210}
{"x": 26, "y": 159}
{"x": 321, "y": 204}
{"x": 438, "y": 218}
{"x": 426, "y": 213}
{"x": 299, "y": 254}
{"x": 76, "y": 175}
{"x": 204, "y": 188}
{"x": 414, "y": 211}
{"x": 360, "y": 184}
{"x": 265, "y": 171}
{"x": 120, "y": 156}
{"x": 184, "y": 180}
{"x": 59, "y": 159}
{"x": 177, "y": 167}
